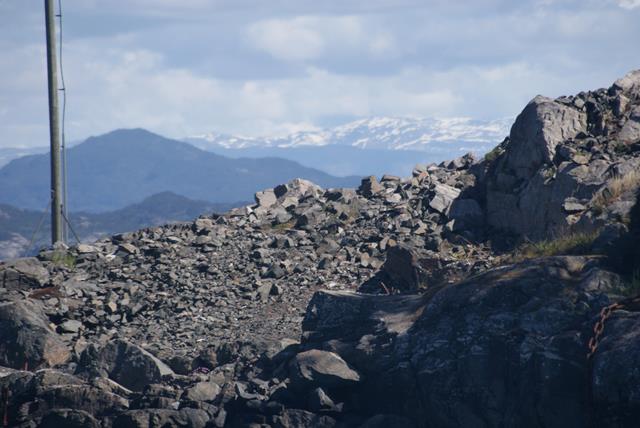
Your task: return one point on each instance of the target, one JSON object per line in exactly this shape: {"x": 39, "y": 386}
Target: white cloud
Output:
{"x": 113, "y": 88}
{"x": 296, "y": 39}
{"x": 382, "y": 44}
{"x": 629, "y": 4}
{"x": 194, "y": 66}
{"x": 304, "y": 38}
{"x": 116, "y": 88}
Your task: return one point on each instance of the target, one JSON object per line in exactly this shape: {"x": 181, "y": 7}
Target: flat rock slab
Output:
{"x": 125, "y": 363}
{"x": 321, "y": 368}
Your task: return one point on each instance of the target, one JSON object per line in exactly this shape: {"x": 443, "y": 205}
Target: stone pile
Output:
{"x": 383, "y": 306}
{"x": 569, "y": 164}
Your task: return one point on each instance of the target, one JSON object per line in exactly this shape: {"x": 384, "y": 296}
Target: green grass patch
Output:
{"x": 284, "y": 226}
{"x": 572, "y": 244}
{"x": 614, "y": 189}
{"x": 494, "y": 154}
{"x": 62, "y": 258}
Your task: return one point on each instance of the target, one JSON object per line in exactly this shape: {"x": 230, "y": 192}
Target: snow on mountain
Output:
{"x": 382, "y": 133}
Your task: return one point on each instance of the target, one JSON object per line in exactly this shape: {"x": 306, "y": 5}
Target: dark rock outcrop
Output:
{"x": 23, "y": 274}
{"x": 569, "y": 164}
{"x": 26, "y": 340}
{"x": 316, "y": 368}
{"x": 125, "y": 363}
{"x": 505, "y": 348}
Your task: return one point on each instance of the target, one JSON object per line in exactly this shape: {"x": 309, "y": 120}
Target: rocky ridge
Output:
{"x": 393, "y": 305}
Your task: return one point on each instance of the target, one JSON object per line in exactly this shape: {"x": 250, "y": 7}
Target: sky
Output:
{"x": 268, "y": 68}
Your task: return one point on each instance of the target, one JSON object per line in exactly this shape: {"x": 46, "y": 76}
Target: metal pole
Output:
{"x": 54, "y": 129}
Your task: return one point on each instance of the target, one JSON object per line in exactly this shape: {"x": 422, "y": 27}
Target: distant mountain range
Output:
{"x": 369, "y": 146}
{"x": 110, "y": 174}
{"x": 17, "y": 226}
{"x": 8, "y": 154}
{"x": 123, "y": 167}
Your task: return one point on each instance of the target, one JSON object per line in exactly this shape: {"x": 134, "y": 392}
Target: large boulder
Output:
{"x": 542, "y": 125}
{"x": 298, "y": 188}
{"x": 630, "y": 132}
{"x": 265, "y": 198}
{"x": 568, "y": 165}
{"x": 23, "y": 274}
{"x": 370, "y": 186}
{"x": 125, "y": 363}
{"x": 628, "y": 85}
{"x": 401, "y": 270}
{"x": 443, "y": 197}
{"x": 538, "y": 211}
{"x": 26, "y": 341}
{"x": 504, "y": 348}
{"x": 49, "y": 395}
{"x": 315, "y": 368}
{"x": 202, "y": 391}
{"x": 88, "y": 398}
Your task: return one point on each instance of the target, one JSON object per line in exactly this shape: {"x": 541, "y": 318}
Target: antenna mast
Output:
{"x": 54, "y": 129}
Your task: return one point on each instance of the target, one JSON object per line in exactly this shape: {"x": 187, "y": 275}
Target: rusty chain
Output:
{"x": 632, "y": 304}
{"x": 598, "y": 328}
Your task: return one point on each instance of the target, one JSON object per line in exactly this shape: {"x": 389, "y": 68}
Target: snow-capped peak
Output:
{"x": 386, "y": 133}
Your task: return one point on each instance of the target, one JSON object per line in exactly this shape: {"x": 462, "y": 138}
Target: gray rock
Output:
{"x": 266, "y": 198}
{"x": 280, "y": 190}
{"x": 630, "y": 132}
{"x": 92, "y": 400}
{"x": 390, "y": 178}
{"x": 265, "y": 290}
{"x": 629, "y": 84}
{"x": 537, "y": 209}
{"x": 70, "y": 326}
{"x": 482, "y": 347}
{"x": 300, "y": 187}
{"x": 319, "y": 401}
{"x": 402, "y": 269}
{"x": 541, "y": 126}
{"x": 443, "y": 197}
{"x": 202, "y": 391}
{"x": 452, "y": 356}
{"x": 315, "y": 368}
{"x": 25, "y": 338}
{"x": 570, "y": 205}
{"x": 370, "y": 187}
{"x": 125, "y": 363}
{"x": 23, "y": 274}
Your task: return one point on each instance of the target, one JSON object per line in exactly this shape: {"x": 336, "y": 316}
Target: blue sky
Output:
{"x": 255, "y": 67}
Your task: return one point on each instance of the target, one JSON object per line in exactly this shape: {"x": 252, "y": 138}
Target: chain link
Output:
{"x": 598, "y": 328}
{"x": 631, "y": 304}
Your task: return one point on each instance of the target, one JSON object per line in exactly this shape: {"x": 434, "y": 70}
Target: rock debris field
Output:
{"x": 463, "y": 295}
